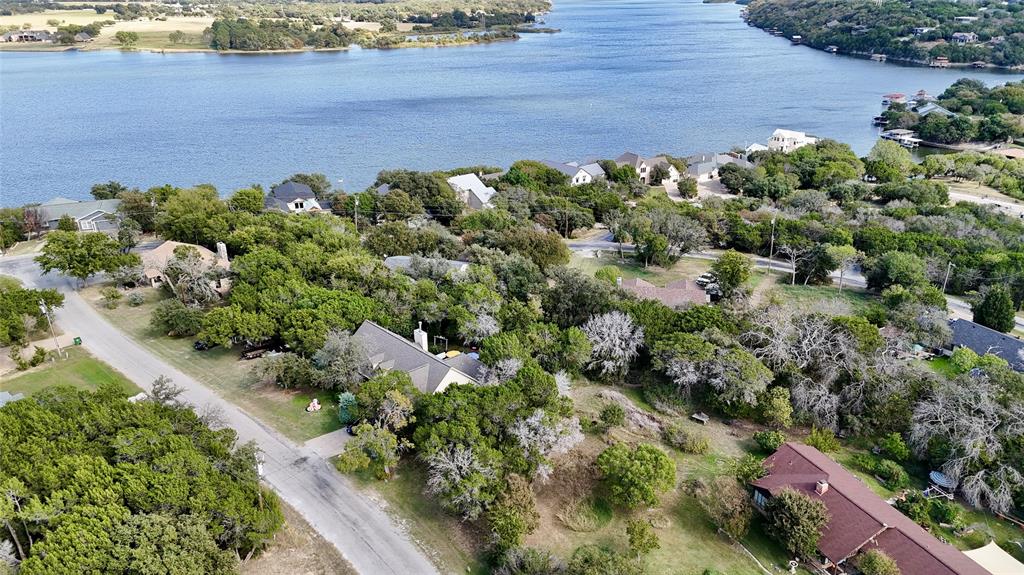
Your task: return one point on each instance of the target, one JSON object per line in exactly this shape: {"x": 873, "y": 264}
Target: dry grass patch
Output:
{"x": 298, "y": 549}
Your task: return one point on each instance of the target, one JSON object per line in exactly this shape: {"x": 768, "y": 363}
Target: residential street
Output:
{"x": 363, "y": 533}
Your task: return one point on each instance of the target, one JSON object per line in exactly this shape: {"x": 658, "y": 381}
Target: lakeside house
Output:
{"x": 705, "y": 167}
{"x": 982, "y": 340}
{"x": 680, "y": 293}
{"x": 293, "y": 197}
{"x": 644, "y": 167}
{"x": 429, "y": 373}
{"x": 83, "y": 37}
{"x": 930, "y": 108}
{"x": 903, "y": 137}
{"x": 472, "y": 190}
{"x": 964, "y": 38}
{"x": 859, "y": 520}
{"x": 752, "y": 148}
{"x": 28, "y": 36}
{"x": 89, "y": 216}
{"x": 578, "y": 173}
{"x": 786, "y": 141}
{"x": 155, "y": 261}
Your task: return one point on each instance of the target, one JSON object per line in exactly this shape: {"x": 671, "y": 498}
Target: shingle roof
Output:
{"x": 674, "y": 294}
{"x": 389, "y": 351}
{"x": 291, "y": 191}
{"x": 984, "y": 340}
{"x": 54, "y": 211}
{"x": 594, "y": 169}
{"x": 629, "y": 158}
{"x": 858, "y": 518}
{"x": 567, "y": 169}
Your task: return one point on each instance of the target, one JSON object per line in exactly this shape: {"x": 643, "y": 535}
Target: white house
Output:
{"x": 964, "y": 38}
{"x": 786, "y": 141}
{"x": 578, "y": 175}
{"x": 472, "y": 190}
{"x": 644, "y": 167}
{"x": 292, "y": 197}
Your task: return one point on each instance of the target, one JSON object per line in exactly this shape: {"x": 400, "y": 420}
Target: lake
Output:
{"x": 672, "y": 76}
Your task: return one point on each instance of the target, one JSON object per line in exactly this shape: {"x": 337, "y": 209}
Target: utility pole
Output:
{"x": 771, "y": 249}
{"x": 356, "y": 215}
{"x": 946, "y": 279}
{"x": 46, "y": 311}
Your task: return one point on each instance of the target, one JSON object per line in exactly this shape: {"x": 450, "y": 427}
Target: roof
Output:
{"x": 155, "y": 260}
{"x": 7, "y": 397}
{"x": 291, "y": 191}
{"x": 629, "y": 158}
{"x": 56, "y": 208}
{"x": 594, "y": 169}
{"x": 389, "y": 351}
{"x": 997, "y": 561}
{"x": 790, "y": 134}
{"x": 984, "y": 340}
{"x": 674, "y": 294}
{"x": 404, "y": 263}
{"x": 567, "y": 169}
{"x": 933, "y": 108}
{"x": 472, "y": 184}
{"x": 383, "y": 189}
{"x": 858, "y": 518}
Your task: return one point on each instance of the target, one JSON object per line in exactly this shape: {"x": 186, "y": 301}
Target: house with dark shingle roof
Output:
{"x": 90, "y": 216}
{"x": 430, "y": 374}
{"x": 294, "y": 197}
{"x": 644, "y": 167}
{"x": 982, "y": 340}
{"x": 859, "y": 520}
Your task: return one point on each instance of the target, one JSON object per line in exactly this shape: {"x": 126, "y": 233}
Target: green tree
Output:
{"x": 82, "y": 255}
{"x": 177, "y": 37}
{"x": 249, "y": 200}
{"x": 138, "y": 206}
{"x": 373, "y": 448}
{"x": 514, "y": 515}
{"x": 896, "y": 268}
{"x": 731, "y": 269}
{"x": 108, "y": 191}
{"x": 635, "y": 475}
{"x": 128, "y": 233}
{"x": 727, "y": 504}
{"x": 876, "y": 562}
{"x": 822, "y": 439}
{"x": 126, "y": 39}
{"x": 889, "y": 162}
{"x": 176, "y": 319}
{"x": 613, "y": 415}
{"x": 996, "y": 309}
{"x": 67, "y": 224}
{"x": 797, "y": 520}
{"x": 642, "y": 538}
{"x": 194, "y": 216}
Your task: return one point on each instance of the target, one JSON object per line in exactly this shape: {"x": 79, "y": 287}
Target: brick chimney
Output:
{"x": 222, "y": 251}
{"x": 822, "y": 487}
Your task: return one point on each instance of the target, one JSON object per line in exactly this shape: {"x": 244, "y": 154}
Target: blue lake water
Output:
{"x": 652, "y": 76}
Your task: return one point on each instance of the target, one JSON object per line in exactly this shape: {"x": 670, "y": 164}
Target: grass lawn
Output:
{"x": 685, "y": 268}
{"x": 221, "y": 370}
{"x": 941, "y": 366}
{"x": 80, "y": 370}
{"x": 26, "y": 247}
{"x": 805, "y": 297}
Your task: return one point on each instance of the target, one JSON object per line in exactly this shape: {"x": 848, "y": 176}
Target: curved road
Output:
{"x": 363, "y": 533}
{"x": 958, "y": 308}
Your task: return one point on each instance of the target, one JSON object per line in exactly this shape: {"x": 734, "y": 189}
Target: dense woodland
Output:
{"x": 305, "y": 282}
{"x": 870, "y": 27}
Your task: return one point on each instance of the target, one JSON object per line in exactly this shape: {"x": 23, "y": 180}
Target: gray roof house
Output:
{"x": 984, "y": 340}
{"x": 27, "y": 36}
{"x": 90, "y": 216}
{"x": 430, "y": 374}
{"x": 294, "y": 197}
{"x": 644, "y": 167}
{"x": 704, "y": 167}
{"x": 577, "y": 174}
{"x": 933, "y": 108}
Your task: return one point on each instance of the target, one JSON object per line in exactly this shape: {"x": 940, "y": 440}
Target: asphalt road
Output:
{"x": 363, "y": 533}
{"x": 958, "y": 308}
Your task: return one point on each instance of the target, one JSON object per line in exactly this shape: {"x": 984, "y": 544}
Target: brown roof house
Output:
{"x": 859, "y": 519}
{"x": 674, "y": 294}
{"x": 155, "y": 260}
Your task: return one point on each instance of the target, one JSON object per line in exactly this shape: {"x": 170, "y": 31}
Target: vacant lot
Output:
{"x": 685, "y": 268}
{"x": 298, "y": 549}
{"x": 222, "y": 370}
{"x": 80, "y": 370}
{"x": 807, "y": 297}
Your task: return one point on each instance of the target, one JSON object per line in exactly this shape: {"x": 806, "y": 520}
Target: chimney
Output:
{"x": 222, "y": 251}
{"x": 618, "y": 281}
{"x": 420, "y": 337}
{"x": 822, "y": 487}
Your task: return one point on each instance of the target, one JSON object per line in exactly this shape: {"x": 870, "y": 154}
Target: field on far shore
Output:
{"x": 153, "y": 34}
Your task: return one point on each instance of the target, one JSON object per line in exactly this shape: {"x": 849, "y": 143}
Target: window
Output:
{"x": 759, "y": 499}
{"x": 299, "y": 205}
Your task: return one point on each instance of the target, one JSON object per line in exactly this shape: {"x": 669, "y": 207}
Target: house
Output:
{"x": 27, "y": 36}
{"x": 294, "y": 197}
{"x": 382, "y": 190}
{"x": 155, "y": 260}
{"x": 754, "y": 148}
{"x": 859, "y": 520}
{"x": 83, "y": 37}
{"x": 577, "y": 174}
{"x": 786, "y": 141}
{"x": 965, "y": 19}
{"x": 984, "y": 340}
{"x": 89, "y": 216}
{"x": 430, "y": 374}
{"x": 919, "y": 30}
{"x": 7, "y": 397}
{"x": 930, "y": 108}
{"x": 964, "y": 38}
{"x": 406, "y": 263}
{"x": 704, "y": 167}
{"x": 675, "y": 294}
{"x": 472, "y": 190}
{"x": 644, "y": 167}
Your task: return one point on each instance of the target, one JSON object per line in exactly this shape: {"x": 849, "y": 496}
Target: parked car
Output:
{"x": 201, "y": 345}
{"x": 704, "y": 279}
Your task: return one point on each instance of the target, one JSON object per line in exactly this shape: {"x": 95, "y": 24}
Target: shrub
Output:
{"x": 797, "y": 521}
{"x": 727, "y": 504}
{"x": 941, "y": 511}
{"x": 609, "y": 274}
{"x": 585, "y": 514}
{"x": 892, "y": 473}
{"x": 963, "y": 359}
{"x": 876, "y": 562}
{"x": 642, "y": 539}
{"x": 769, "y": 441}
{"x": 528, "y": 561}
{"x": 38, "y": 356}
{"x": 776, "y": 408}
{"x": 894, "y": 446}
{"x": 595, "y": 560}
{"x": 175, "y": 319}
{"x": 635, "y": 475}
{"x": 676, "y": 435}
{"x": 135, "y": 299}
{"x": 824, "y": 440}
{"x": 515, "y": 513}
{"x": 111, "y": 297}
{"x": 612, "y": 415}
{"x": 748, "y": 468}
